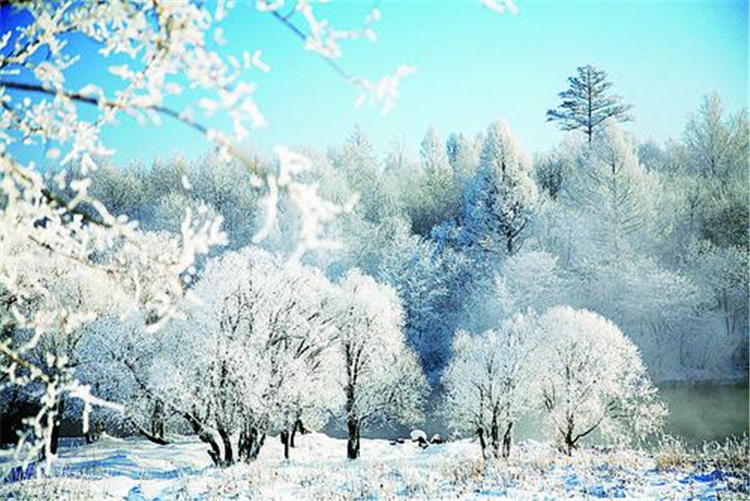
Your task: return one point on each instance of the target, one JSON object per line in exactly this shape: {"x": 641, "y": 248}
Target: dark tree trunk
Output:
{"x": 292, "y": 435}
{"x": 151, "y": 438}
{"x": 298, "y": 426}
{"x": 285, "y": 438}
{"x": 157, "y": 420}
{"x": 507, "y": 439}
{"x": 482, "y": 442}
{"x": 226, "y": 441}
{"x": 59, "y": 410}
{"x": 206, "y": 437}
{"x": 495, "y": 438}
{"x": 250, "y": 442}
{"x": 569, "y": 442}
{"x": 352, "y": 443}
{"x": 92, "y": 433}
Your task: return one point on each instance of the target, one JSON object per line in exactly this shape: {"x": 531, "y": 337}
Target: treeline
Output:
{"x": 654, "y": 237}
{"x": 267, "y": 347}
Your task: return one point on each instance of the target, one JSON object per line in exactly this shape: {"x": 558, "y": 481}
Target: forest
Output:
{"x": 259, "y": 315}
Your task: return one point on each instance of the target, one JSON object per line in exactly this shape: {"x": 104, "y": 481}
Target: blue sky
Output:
{"x": 475, "y": 66}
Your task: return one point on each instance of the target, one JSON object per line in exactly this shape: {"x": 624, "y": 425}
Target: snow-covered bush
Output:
{"x": 593, "y": 379}
{"x": 490, "y": 381}
{"x": 378, "y": 374}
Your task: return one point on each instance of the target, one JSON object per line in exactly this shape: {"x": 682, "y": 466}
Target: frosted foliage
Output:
{"x": 489, "y": 382}
{"x": 421, "y": 278}
{"x": 718, "y": 145}
{"x": 437, "y": 198}
{"x": 500, "y": 7}
{"x": 117, "y": 356}
{"x": 63, "y": 294}
{"x": 434, "y": 156}
{"x": 379, "y": 372}
{"x": 593, "y": 379}
{"x": 463, "y": 156}
{"x": 502, "y": 196}
{"x": 155, "y": 50}
{"x": 612, "y": 189}
{"x": 530, "y": 279}
{"x": 257, "y": 343}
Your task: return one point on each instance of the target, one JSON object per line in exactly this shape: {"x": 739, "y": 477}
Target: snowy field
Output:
{"x": 134, "y": 469}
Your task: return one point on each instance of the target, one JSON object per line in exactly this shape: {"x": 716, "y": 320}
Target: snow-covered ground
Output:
{"x": 134, "y": 469}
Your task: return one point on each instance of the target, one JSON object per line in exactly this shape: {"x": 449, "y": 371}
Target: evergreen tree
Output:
{"x": 500, "y": 199}
{"x": 610, "y": 187}
{"x": 359, "y": 163}
{"x": 463, "y": 157}
{"x": 587, "y": 104}
{"x": 438, "y": 199}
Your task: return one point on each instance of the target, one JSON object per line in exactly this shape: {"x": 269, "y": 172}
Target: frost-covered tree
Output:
{"x": 124, "y": 191}
{"x": 593, "y": 380}
{"x": 723, "y": 275}
{"x": 251, "y": 357}
{"x": 438, "y": 197}
{"x": 463, "y": 157}
{"x": 378, "y": 374}
{"x": 716, "y": 152}
{"x": 427, "y": 282}
{"x": 611, "y": 188}
{"x": 553, "y": 171}
{"x": 529, "y": 280}
{"x": 422, "y": 278}
{"x": 156, "y": 51}
{"x": 61, "y": 299}
{"x": 587, "y": 103}
{"x": 490, "y": 381}
{"x": 657, "y": 306}
{"x": 356, "y": 159}
{"x": 501, "y": 198}
{"x": 718, "y": 145}
{"x": 118, "y": 357}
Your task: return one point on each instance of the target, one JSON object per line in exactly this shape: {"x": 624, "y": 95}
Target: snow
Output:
{"x": 134, "y": 469}
{"x": 416, "y": 435}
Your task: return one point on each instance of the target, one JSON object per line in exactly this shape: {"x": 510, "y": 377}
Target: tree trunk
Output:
{"x": 250, "y": 442}
{"x": 59, "y": 410}
{"x": 507, "y": 439}
{"x": 93, "y": 432}
{"x": 285, "y": 437}
{"x": 157, "y": 420}
{"x": 226, "y": 441}
{"x": 482, "y": 442}
{"x": 206, "y": 437}
{"x": 148, "y": 436}
{"x": 569, "y": 444}
{"x": 495, "y": 437}
{"x": 352, "y": 443}
{"x": 298, "y": 426}
{"x": 352, "y": 422}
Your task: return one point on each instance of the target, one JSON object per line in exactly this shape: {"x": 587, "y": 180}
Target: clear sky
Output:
{"x": 475, "y": 66}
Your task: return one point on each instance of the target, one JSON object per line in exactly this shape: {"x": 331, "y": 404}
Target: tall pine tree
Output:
{"x": 587, "y": 104}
